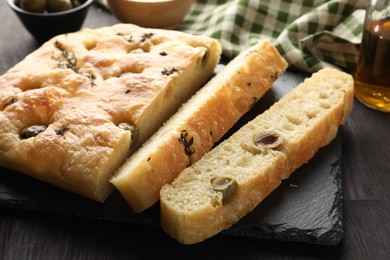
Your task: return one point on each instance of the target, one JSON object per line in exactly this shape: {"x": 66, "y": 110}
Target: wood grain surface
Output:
{"x": 366, "y": 180}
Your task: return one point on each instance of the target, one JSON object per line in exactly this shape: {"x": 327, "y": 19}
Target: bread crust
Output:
{"x": 306, "y": 119}
{"x": 97, "y": 94}
{"x": 204, "y": 119}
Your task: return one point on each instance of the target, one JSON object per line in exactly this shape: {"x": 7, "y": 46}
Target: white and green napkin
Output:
{"x": 310, "y": 34}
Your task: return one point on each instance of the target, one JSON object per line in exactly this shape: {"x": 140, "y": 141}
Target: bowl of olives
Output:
{"x": 45, "y": 19}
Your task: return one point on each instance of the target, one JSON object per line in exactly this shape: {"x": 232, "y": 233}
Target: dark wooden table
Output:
{"x": 366, "y": 184}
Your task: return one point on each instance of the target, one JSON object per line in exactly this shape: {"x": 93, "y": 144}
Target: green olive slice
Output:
{"x": 269, "y": 140}
{"x": 226, "y": 185}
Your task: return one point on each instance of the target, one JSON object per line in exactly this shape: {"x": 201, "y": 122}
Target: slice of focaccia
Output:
{"x": 200, "y": 122}
{"x": 73, "y": 110}
{"x": 233, "y": 178}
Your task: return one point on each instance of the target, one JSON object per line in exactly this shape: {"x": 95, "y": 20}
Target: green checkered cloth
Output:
{"x": 310, "y": 34}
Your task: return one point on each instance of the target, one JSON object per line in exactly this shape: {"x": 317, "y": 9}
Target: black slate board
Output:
{"x": 305, "y": 208}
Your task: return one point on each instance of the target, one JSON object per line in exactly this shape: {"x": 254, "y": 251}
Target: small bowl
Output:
{"x": 166, "y": 14}
{"x": 44, "y": 26}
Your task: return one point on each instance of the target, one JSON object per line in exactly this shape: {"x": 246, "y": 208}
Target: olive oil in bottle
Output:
{"x": 372, "y": 78}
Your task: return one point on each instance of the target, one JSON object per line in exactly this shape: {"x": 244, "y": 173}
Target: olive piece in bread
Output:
{"x": 32, "y": 131}
{"x": 188, "y": 210}
{"x": 225, "y": 185}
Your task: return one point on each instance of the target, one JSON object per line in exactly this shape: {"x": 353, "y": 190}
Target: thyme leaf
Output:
{"x": 183, "y": 139}
{"x": 168, "y": 72}
{"x": 146, "y": 36}
{"x": 62, "y": 130}
{"x": 69, "y": 59}
{"x": 91, "y": 79}
{"x": 130, "y": 39}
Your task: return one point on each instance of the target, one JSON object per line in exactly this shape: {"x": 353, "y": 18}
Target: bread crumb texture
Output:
{"x": 198, "y": 125}
{"x": 71, "y": 110}
{"x": 257, "y": 157}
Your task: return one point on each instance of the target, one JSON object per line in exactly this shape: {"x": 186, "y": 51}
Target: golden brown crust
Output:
{"x": 81, "y": 86}
{"x": 204, "y": 119}
{"x": 207, "y": 221}
{"x": 306, "y": 119}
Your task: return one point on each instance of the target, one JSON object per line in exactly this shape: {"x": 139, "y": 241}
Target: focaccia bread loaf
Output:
{"x": 233, "y": 178}
{"x": 201, "y": 122}
{"x": 71, "y": 110}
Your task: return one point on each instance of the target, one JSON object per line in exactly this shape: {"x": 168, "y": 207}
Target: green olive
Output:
{"x": 226, "y": 185}
{"x": 269, "y": 140}
{"x": 58, "y": 5}
{"x": 75, "y": 3}
{"x": 37, "y": 6}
